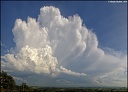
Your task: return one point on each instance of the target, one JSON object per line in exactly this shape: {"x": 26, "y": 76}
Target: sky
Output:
{"x": 65, "y": 43}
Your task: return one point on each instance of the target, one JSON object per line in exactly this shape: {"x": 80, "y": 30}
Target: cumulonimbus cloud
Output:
{"x": 53, "y": 42}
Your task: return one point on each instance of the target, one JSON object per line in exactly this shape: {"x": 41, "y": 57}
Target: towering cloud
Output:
{"x": 53, "y": 45}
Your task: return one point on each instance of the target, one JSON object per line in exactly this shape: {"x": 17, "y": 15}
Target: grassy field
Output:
{"x": 53, "y": 89}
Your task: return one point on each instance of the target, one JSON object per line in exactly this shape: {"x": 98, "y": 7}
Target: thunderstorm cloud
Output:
{"x": 62, "y": 48}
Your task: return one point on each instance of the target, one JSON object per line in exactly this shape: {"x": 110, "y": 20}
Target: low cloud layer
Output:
{"x": 55, "y": 45}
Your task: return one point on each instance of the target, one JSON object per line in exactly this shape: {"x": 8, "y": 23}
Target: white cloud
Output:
{"x": 52, "y": 42}
{"x": 64, "y": 70}
{"x": 35, "y": 60}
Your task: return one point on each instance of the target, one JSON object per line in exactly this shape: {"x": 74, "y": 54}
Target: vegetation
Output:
{"x": 7, "y": 81}
{"x": 8, "y": 85}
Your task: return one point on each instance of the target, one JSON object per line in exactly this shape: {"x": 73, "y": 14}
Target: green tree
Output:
{"x": 24, "y": 87}
{"x": 7, "y": 81}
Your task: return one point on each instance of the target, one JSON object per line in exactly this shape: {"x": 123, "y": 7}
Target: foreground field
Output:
{"x": 51, "y": 89}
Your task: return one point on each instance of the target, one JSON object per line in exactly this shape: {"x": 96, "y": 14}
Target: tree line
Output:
{"x": 8, "y": 84}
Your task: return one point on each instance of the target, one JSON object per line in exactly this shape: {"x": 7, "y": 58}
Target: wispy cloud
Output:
{"x": 3, "y": 45}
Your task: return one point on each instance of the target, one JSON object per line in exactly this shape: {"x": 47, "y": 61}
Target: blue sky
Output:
{"x": 107, "y": 20}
